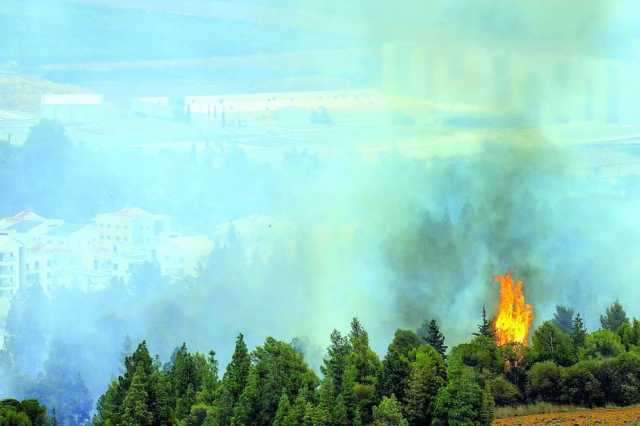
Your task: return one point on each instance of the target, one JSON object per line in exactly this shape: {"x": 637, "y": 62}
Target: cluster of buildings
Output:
{"x": 224, "y": 110}
{"x": 53, "y": 253}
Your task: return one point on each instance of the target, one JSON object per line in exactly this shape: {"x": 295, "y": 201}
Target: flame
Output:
{"x": 514, "y": 317}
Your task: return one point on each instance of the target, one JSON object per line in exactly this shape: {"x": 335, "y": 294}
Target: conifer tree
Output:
{"x": 396, "y": 366}
{"x": 137, "y": 410}
{"x": 484, "y": 328}
{"x": 234, "y": 381}
{"x": 428, "y": 375}
{"x": 284, "y": 409}
{"x": 389, "y": 413}
{"x": 563, "y": 318}
{"x": 578, "y": 332}
{"x": 435, "y": 338}
{"x": 614, "y": 317}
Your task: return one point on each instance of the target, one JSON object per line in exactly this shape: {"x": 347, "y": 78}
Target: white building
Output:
{"x": 11, "y": 265}
{"x": 72, "y": 108}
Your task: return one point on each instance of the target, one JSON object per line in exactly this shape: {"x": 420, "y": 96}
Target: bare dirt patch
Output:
{"x": 604, "y": 416}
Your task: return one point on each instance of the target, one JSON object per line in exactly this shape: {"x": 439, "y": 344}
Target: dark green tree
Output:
{"x": 367, "y": 370}
{"x": 435, "y": 338}
{"x": 563, "y": 318}
{"x": 396, "y": 365}
{"x": 428, "y": 375}
{"x": 463, "y": 401}
{"x": 137, "y": 409}
{"x": 578, "y": 332}
{"x": 614, "y": 317}
{"x": 484, "y": 328}
{"x": 277, "y": 369}
{"x": 544, "y": 382}
{"x": 233, "y": 382}
{"x": 283, "y": 411}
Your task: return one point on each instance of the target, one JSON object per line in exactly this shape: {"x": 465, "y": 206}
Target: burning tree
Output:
{"x": 513, "y": 317}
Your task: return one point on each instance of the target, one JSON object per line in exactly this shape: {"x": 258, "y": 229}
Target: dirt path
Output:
{"x": 604, "y": 416}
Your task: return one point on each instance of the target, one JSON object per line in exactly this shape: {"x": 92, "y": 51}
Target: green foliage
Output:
{"x": 614, "y": 317}
{"x": 630, "y": 334}
{"x": 481, "y": 354}
{"x": 428, "y": 376}
{"x": 463, "y": 402}
{"x": 26, "y": 413}
{"x": 544, "y": 381}
{"x": 435, "y": 338}
{"x": 552, "y": 344}
{"x": 396, "y": 365}
{"x": 137, "y": 410}
{"x": 274, "y": 385}
{"x": 389, "y": 413}
{"x": 578, "y": 332}
{"x": 277, "y": 369}
{"x": 601, "y": 344}
{"x": 580, "y": 385}
{"x": 233, "y": 383}
{"x": 620, "y": 378}
{"x": 504, "y": 392}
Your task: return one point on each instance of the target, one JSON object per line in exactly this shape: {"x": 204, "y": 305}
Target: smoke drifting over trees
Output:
{"x": 395, "y": 219}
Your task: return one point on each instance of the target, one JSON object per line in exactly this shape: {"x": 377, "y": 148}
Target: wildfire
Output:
{"x": 514, "y": 317}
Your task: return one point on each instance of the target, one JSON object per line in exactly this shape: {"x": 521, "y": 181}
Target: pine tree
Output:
{"x": 162, "y": 401}
{"x": 578, "y": 332}
{"x": 234, "y": 381}
{"x": 428, "y": 375}
{"x": 435, "y": 338}
{"x": 136, "y": 404}
{"x": 563, "y": 318}
{"x": 396, "y": 366}
{"x": 339, "y": 415}
{"x": 389, "y": 413}
{"x": 485, "y": 328}
{"x": 333, "y": 367}
{"x": 614, "y": 317}
{"x": 284, "y": 408}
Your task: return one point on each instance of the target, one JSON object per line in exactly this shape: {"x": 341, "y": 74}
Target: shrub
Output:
{"x": 544, "y": 381}
{"x": 463, "y": 402}
{"x": 620, "y": 377}
{"x": 552, "y": 344}
{"x": 504, "y": 392}
{"x": 580, "y": 385}
{"x": 602, "y": 344}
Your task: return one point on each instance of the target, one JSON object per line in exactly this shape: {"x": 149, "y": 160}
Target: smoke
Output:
{"x": 393, "y": 220}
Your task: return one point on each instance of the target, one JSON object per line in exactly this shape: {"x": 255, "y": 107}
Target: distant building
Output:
{"x": 72, "y": 108}
{"x": 11, "y": 265}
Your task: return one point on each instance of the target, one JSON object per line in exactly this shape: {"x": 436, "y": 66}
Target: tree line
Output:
{"x": 416, "y": 383}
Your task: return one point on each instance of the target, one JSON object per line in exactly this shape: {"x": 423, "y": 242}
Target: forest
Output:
{"x": 417, "y": 382}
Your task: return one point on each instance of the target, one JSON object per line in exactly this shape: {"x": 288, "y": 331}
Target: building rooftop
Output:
{"x": 24, "y": 226}
{"x": 25, "y": 215}
{"x": 65, "y": 230}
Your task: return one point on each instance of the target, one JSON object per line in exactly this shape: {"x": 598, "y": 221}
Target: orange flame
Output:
{"x": 514, "y": 317}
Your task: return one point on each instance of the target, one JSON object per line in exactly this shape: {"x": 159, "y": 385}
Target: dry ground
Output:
{"x": 604, "y": 416}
